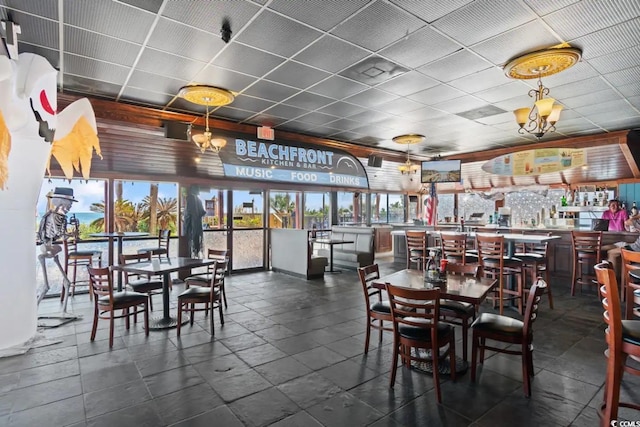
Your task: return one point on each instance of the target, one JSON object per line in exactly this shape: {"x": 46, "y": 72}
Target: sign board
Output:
{"x": 536, "y": 162}
{"x": 291, "y": 162}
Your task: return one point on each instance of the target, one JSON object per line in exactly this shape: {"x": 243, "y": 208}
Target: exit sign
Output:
{"x": 267, "y": 133}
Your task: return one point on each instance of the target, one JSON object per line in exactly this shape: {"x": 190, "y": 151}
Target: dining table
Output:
{"x": 118, "y": 236}
{"x": 331, "y": 242}
{"x": 165, "y": 267}
{"x": 456, "y": 287}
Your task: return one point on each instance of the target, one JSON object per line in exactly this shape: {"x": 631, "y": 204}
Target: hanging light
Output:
{"x": 545, "y": 112}
{"x": 209, "y": 96}
{"x": 408, "y": 168}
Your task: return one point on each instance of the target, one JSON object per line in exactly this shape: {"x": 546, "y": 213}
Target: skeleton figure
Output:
{"x": 53, "y": 227}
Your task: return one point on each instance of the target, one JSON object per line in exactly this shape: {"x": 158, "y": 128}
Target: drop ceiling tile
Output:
{"x": 591, "y": 98}
{"x": 43, "y": 32}
{"x": 342, "y": 109}
{"x": 588, "y": 16}
{"x": 51, "y": 55}
{"x": 110, "y": 18}
{"x": 95, "y": 70}
{"x": 572, "y": 125}
{"x": 506, "y": 117}
{"x": 544, "y": 7}
{"x": 609, "y": 40}
{"x": 425, "y": 113}
{"x": 631, "y": 89}
{"x": 483, "y": 19}
{"x": 250, "y": 103}
{"x": 47, "y": 9}
{"x": 87, "y": 86}
{"x": 407, "y": 83}
{"x": 265, "y": 120}
{"x": 152, "y": 6}
{"x": 400, "y": 106}
{"x": 272, "y": 91}
{"x": 364, "y": 28}
{"x": 331, "y": 54}
{"x": 232, "y": 113}
{"x": 516, "y": 102}
{"x": 322, "y": 131}
{"x": 458, "y": 105}
{"x": 436, "y": 95}
{"x": 581, "y": 71}
{"x": 277, "y": 34}
{"x": 178, "y": 39}
{"x": 103, "y": 48}
{"x": 146, "y": 97}
{"x": 337, "y": 87}
{"x": 620, "y": 123}
{"x": 296, "y": 75}
{"x": 344, "y": 124}
{"x": 141, "y": 80}
{"x": 370, "y": 116}
{"x": 285, "y": 111}
{"x": 607, "y": 110}
{"x": 221, "y": 77}
{"x": 347, "y": 136}
{"x": 430, "y": 11}
{"x": 294, "y": 126}
{"x": 371, "y": 98}
{"x": 316, "y": 12}
{"x": 404, "y": 51}
{"x": 309, "y": 101}
{"x": 373, "y": 70}
{"x": 635, "y": 101}
{"x": 500, "y": 93}
{"x": 526, "y": 38}
{"x": 578, "y": 88}
{"x": 624, "y": 77}
{"x": 617, "y": 61}
{"x": 208, "y": 16}
{"x": 156, "y": 62}
{"x": 315, "y": 118}
{"x": 247, "y": 60}
{"x": 485, "y": 79}
{"x": 455, "y": 66}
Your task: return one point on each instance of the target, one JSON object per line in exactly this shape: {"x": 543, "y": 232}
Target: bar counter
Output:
{"x": 560, "y": 253}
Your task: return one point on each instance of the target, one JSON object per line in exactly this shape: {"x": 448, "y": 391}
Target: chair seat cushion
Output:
{"x": 204, "y": 279}
{"x": 154, "y": 251}
{"x": 490, "y": 322}
{"x": 84, "y": 254}
{"x": 198, "y": 292}
{"x": 381, "y": 307}
{"x": 509, "y": 262}
{"x": 145, "y": 285}
{"x": 124, "y": 297}
{"x": 631, "y": 331}
{"x": 459, "y": 308}
{"x": 530, "y": 257}
{"x": 423, "y": 334}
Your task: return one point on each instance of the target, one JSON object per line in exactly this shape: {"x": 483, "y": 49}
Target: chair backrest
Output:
{"x": 415, "y": 307}
{"x": 490, "y": 246}
{"x": 464, "y": 269}
{"x": 164, "y": 238}
{"x": 415, "y": 240}
{"x": 587, "y": 242}
{"x": 218, "y": 255}
{"x": 454, "y": 246}
{"x": 606, "y": 278}
{"x": 630, "y": 261}
{"x": 534, "y": 248}
{"x": 101, "y": 283}
{"x": 533, "y": 302}
{"x": 132, "y": 259}
{"x": 367, "y": 274}
{"x": 70, "y": 245}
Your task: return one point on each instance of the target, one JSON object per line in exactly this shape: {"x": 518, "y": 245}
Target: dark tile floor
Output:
{"x": 291, "y": 354}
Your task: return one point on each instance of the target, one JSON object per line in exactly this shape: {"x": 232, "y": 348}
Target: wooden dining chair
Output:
{"x": 416, "y": 245}
{"x": 623, "y": 341}
{"x": 416, "y": 325}
{"x": 459, "y": 312}
{"x": 107, "y": 302}
{"x": 630, "y": 291}
{"x": 141, "y": 283}
{"x": 454, "y": 249}
{"x": 489, "y": 326}
{"x": 587, "y": 252}
{"x": 74, "y": 257}
{"x": 378, "y": 311}
{"x": 210, "y": 297}
{"x": 220, "y": 269}
{"x": 496, "y": 265}
{"x": 164, "y": 240}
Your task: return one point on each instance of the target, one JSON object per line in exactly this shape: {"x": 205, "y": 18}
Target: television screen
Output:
{"x": 440, "y": 171}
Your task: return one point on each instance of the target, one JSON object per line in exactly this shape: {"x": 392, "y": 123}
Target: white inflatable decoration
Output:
{"x": 28, "y": 120}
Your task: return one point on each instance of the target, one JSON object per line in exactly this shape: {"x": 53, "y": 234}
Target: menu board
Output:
{"x": 536, "y": 162}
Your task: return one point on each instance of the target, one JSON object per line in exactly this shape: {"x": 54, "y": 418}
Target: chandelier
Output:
{"x": 408, "y": 168}
{"x": 545, "y": 112}
{"x": 209, "y": 96}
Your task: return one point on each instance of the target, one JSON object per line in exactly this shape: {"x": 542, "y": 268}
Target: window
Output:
{"x": 283, "y": 209}
{"x": 317, "y": 211}
{"x": 379, "y": 208}
{"x": 247, "y": 209}
{"x": 396, "y": 208}
{"x": 146, "y": 206}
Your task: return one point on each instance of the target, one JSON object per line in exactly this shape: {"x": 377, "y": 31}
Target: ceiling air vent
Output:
{"x": 481, "y": 112}
{"x": 373, "y": 70}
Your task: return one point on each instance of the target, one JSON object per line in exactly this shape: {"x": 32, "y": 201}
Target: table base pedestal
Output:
{"x": 444, "y": 366}
{"x": 160, "y": 322}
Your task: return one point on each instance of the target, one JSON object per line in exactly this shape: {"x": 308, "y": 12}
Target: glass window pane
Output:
{"x": 317, "y": 211}
{"x": 379, "y": 208}
{"x": 445, "y": 207}
{"x": 469, "y": 203}
{"x": 351, "y": 208}
{"x": 283, "y": 209}
{"x": 146, "y": 206}
{"x": 215, "y": 217}
{"x": 247, "y": 209}
{"x": 396, "y": 208}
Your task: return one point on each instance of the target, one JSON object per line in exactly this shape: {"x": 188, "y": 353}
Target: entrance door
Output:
{"x": 247, "y": 230}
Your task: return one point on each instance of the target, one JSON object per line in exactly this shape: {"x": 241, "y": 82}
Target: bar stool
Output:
{"x": 587, "y": 252}
{"x": 74, "y": 258}
{"x": 454, "y": 249}
{"x": 495, "y": 264}
{"x": 623, "y": 340}
{"x": 535, "y": 260}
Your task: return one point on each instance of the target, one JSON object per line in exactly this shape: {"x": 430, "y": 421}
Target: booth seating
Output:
{"x": 291, "y": 253}
{"x": 352, "y": 255}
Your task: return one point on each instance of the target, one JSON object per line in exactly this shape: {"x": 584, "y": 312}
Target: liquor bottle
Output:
{"x": 570, "y": 198}
{"x": 634, "y": 209}
{"x": 563, "y": 201}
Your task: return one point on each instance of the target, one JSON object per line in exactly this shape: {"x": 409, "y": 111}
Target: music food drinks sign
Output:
{"x": 272, "y": 161}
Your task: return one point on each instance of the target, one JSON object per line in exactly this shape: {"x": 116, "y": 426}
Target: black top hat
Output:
{"x": 62, "y": 193}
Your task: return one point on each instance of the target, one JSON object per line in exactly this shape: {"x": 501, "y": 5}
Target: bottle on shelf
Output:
{"x": 569, "y": 198}
{"x": 563, "y": 201}
{"x": 634, "y": 209}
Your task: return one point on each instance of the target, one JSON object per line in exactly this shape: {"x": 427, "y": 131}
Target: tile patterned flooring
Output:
{"x": 291, "y": 354}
